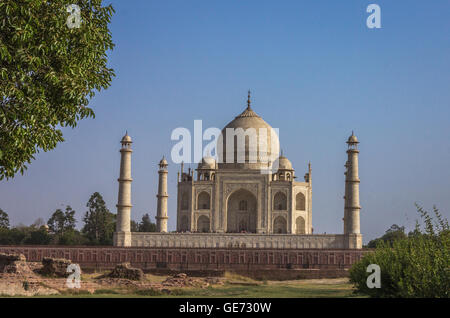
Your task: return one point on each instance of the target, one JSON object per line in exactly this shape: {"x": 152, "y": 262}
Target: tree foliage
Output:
{"x": 4, "y": 220}
{"x": 72, "y": 237}
{"x": 134, "y": 226}
{"x": 38, "y": 237}
{"x": 412, "y": 266}
{"x": 394, "y": 233}
{"x": 25, "y": 235}
{"x": 99, "y": 222}
{"x": 61, "y": 228}
{"x": 61, "y": 222}
{"x": 146, "y": 224}
{"x": 48, "y": 74}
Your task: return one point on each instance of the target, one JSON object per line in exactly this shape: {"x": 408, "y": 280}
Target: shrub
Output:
{"x": 414, "y": 266}
{"x": 106, "y": 292}
{"x": 149, "y": 292}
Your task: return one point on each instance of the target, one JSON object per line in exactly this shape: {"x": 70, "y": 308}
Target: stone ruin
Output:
{"x": 183, "y": 280}
{"x": 14, "y": 263}
{"x": 124, "y": 270}
{"x": 55, "y": 267}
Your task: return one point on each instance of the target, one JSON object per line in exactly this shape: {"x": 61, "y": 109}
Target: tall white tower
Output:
{"x": 122, "y": 237}
{"x": 161, "y": 214}
{"x": 352, "y": 207}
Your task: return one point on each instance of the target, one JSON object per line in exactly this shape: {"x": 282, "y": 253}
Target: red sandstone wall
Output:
{"x": 194, "y": 258}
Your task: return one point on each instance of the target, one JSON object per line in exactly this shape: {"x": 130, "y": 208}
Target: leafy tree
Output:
{"x": 414, "y": 266}
{"x": 72, "y": 237}
{"x": 146, "y": 224}
{"x": 5, "y": 236}
{"x": 99, "y": 222}
{"x": 394, "y": 233}
{"x": 4, "y": 220}
{"x": 38, "y": 237}
{"x": 14, "y": 236}
{"x": 416, "y": 232}
{"x": 56, "y": 222}
{"x": 134, "y": 226}
{"x": 38, "y": 223}
{"x": 48, "y": 73}
{"x": 60, "y": 221}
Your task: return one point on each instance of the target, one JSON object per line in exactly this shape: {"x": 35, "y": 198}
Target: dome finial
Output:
{"x": 126, "y": 139}
{"x": 352, "y": 139}
{"x": 248, "y": 101}
{"x": 163, "y": 162}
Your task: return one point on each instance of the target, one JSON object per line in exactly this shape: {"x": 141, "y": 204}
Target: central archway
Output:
{"x": 203, "y": 224}
{"x": 241, "y": 212}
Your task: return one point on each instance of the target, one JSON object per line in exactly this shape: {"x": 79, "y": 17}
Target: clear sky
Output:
{"x": 316, "y": 72}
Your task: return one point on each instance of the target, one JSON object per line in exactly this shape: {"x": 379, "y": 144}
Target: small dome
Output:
{"x": 163, "y": 162}
{"x": 207, "y": 163}
{"x": 284, "y": 163}
{"x": 352, "y": 139}
{"x": 126, "y": 138}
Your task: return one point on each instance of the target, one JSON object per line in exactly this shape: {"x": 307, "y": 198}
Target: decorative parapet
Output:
{"x": 240, "y": 240}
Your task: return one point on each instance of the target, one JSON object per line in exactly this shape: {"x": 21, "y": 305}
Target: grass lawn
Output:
{"x": 244, "y": 288}
{"x": 273, "y": 290}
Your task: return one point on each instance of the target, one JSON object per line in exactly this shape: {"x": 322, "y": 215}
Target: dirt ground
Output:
{"x": 31, "y": 283}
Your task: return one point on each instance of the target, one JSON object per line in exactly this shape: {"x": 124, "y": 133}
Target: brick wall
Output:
{"x": 195, "y": 259}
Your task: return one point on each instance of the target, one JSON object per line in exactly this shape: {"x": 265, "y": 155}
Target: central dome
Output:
{"x": 254, "y": 143}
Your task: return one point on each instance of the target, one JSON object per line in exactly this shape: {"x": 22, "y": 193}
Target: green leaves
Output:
{"x": 61, "y": 222}
{"x": 99, "y": 221}
{"x": 48, "y": 74}
{"x": 4, "y": 220}
{"x": 413, "y": 266}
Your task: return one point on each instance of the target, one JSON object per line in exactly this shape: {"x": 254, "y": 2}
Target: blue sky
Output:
{"x": 316, "y": 72}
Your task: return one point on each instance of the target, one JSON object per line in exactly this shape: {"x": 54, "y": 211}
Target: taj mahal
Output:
{"x": 237, "y": 201}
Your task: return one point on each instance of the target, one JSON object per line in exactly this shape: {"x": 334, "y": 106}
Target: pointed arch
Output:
{"x": 280, "y": 201}
{"x": 279, "y": 225}
{"x": 241, "y": 212}
{"x": 203, "y": 224}
{"x": 300, "y": 225}
{"x": 203, "y": 201}
{"x": 300, "y": 201}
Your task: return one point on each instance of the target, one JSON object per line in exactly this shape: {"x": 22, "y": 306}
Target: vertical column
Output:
{"x": 161, "y": 214}
{"x": 309, "y": 198}
{"x": 352, "y": 205}
{"x": 218, "y": 205}
{"x": 122, "y": 237}
{"x": 346, "y": 196}
{"x": 259, "y": 219}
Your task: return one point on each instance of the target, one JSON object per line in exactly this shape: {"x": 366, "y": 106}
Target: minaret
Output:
{"x": 310, "y": 197}
{"x": 352, "y": 207}
{"x": 122, "y": 237}
{"x": 161, "y": 214}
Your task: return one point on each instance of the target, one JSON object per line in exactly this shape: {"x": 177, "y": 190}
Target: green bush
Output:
{"x": 414, "y": 266}
{"x": 106, "y": 292}
{"x": 72, "y": 237}
{"x": 394, "y": 233}
{"x": 24, "y": 235}
{"x": 38, "y": 237}
{"x": 149, "y": 292}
